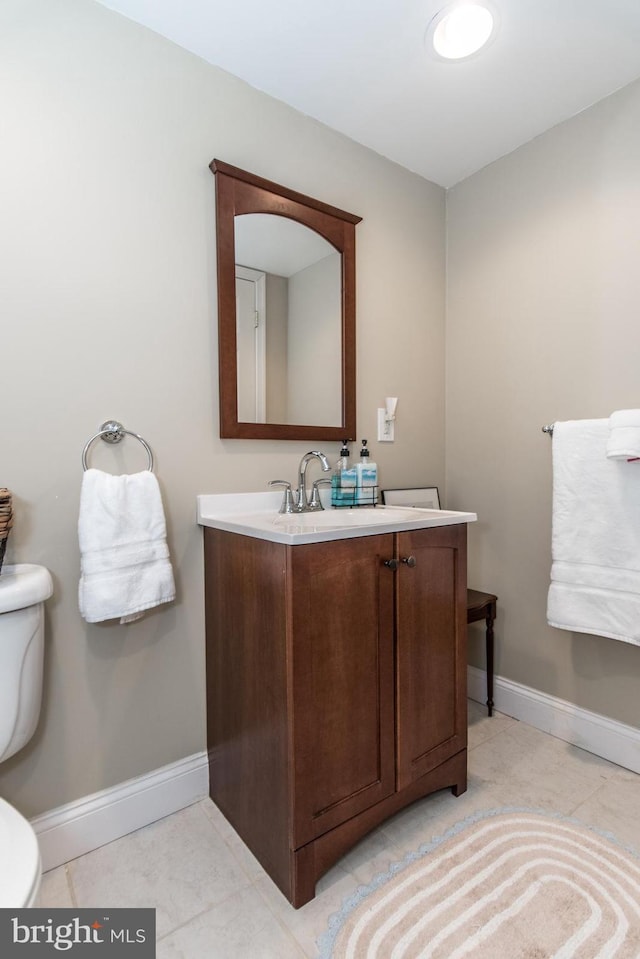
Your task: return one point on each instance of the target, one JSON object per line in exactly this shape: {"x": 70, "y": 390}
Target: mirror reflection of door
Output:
{"x": 251, "y": 344}
{"x": 294, "y": 358}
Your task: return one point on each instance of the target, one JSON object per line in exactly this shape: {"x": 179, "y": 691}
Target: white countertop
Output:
{"x": 256, "y": 514}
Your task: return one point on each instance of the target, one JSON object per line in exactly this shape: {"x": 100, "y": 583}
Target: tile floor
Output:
{"x": 214, "y": 901}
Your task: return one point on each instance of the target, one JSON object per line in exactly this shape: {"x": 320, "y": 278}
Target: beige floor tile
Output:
{"x": 214, "y": 900}
{"x": 482, "y": 727}
{"x": 310, "y": 921}
{"x": 429, "y": 818}
{"x": 535, "y": 769}
{"x": 242, "y": 853}
{"x": 372, "y": 856}
{"x": 624, "y": 775}
{"x": 245, "y": 858}
{"x": 240, "y": 927}
{"x": 179, "y": 865}
{"x": 614, "y": 808}
{"x": 55, "y": 890}
{"x": 225, "y": 828}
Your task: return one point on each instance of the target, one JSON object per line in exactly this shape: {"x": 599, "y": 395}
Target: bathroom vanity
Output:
{"x": 336, "y": 673}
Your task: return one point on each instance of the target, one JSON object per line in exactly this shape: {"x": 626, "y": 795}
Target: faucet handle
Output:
{"x": 288, "y": 501}
{"x": 315, "y": 502}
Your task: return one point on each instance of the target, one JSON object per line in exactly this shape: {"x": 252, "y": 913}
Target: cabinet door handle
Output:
{"x": 409, "y": 560}
{"x": 391, "y": 563}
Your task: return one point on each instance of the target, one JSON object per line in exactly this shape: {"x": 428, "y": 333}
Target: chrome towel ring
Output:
{"x": 113, "y": 432}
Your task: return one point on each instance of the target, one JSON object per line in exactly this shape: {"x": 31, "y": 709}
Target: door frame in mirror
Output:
{"x": 237, "y": 193}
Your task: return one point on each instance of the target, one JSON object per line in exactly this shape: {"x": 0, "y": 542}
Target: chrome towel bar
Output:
{"x": 548, "y": 429}
{"x": 113, "y": 432}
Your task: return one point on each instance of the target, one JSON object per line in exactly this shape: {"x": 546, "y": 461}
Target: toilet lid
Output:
{"x": 24, "y": 585}
{"x": 19, "y": 858}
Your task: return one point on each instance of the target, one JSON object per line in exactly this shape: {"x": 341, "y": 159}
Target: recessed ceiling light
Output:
{"x": 461, "y": 29}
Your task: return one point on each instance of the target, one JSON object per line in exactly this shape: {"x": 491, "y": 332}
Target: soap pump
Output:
{"x": 367, "y": 483}
{"x": 342, "y": 466}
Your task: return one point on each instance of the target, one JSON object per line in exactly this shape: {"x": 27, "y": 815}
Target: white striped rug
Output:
{"x": 510, "y": 885}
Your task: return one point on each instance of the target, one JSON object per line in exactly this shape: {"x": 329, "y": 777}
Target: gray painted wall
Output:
{"x": 107, "y": 271}
{"x": 542, "y": 325}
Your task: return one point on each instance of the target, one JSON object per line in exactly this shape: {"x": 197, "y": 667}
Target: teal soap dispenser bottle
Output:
{"x": 367, "y": 483}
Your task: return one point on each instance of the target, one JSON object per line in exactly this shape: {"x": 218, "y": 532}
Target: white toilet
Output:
{"x": 23, "y": 590}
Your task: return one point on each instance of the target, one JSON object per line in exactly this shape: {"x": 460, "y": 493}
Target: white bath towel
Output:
{"x": 624, "y": 435}
{"x": 595, "y": 573}
{"x": 124, "y": 557}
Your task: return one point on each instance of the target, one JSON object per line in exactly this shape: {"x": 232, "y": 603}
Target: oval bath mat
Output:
{"x": 511, "y": 885}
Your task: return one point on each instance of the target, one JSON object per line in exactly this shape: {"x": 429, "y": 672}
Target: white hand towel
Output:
{"x": 124, "y": 557}
{"x": 595, "y": 573}
{"x": 624, "y": 435}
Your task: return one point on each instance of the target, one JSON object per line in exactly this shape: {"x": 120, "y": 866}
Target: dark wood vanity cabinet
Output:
{"x": 336, "y": 688}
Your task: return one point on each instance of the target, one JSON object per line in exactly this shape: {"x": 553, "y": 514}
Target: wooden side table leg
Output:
{"x": 489, "y": 622}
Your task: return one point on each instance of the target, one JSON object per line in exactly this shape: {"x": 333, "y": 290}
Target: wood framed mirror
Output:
{"x": 286, "y": 311}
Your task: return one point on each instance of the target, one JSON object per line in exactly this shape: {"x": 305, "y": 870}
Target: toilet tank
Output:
{"x": 23, "y": 590}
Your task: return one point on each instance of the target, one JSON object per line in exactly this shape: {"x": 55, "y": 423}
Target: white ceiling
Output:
{"x": 361, "y": 67}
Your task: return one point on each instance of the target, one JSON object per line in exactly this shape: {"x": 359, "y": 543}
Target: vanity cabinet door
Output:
{"x": 341, "y": 685}
{"x": 431, "y": 681}
{"x": 247, "y": 723}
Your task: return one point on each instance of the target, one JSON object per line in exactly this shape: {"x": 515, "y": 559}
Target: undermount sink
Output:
{"x": 349, "y": 517}
{"x": 256, "y": 514}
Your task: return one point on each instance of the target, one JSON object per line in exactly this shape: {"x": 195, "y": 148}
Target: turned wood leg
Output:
{"x": 490, "y": 663}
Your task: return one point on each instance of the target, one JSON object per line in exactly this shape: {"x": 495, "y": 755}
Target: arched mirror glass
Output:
{"x": 286, "y": 311}
{"x": 288, "y": 323}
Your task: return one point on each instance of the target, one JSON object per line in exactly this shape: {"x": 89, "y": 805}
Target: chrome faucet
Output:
{"x": 295, "y": 501}
{"x": 302, "y": 505}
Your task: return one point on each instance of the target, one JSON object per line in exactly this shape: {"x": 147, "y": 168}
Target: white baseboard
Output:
{"x": 86, "y": 824}
{"x": 597, "y": 734}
